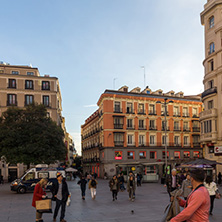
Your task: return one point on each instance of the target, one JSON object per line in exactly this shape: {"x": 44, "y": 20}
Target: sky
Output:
{"x": 89, "y": 43}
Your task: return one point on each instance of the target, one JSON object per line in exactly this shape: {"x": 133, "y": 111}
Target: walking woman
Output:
{"x": 131, "y": 187}
{"x": 39, "y": 194}
{"x": 92, "y": 186}
{"x": 212, "y": 188}
{"x": 114, "y": 187}
{"x": 186, "y": 187}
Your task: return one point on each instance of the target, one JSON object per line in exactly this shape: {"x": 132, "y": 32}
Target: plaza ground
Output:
{"x": 151, "y": 200}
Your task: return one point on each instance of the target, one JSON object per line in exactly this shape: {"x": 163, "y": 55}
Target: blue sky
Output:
{"x": 88, "y": 43}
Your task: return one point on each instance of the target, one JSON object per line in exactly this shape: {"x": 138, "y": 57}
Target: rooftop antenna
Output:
{"x": 114, "y": 83}
{"x": 143, "y": 67}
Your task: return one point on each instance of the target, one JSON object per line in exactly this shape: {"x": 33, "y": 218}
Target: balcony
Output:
{"x": 129, "y": 110}
{"x": 163, "y": 113}
{"x": 118, "y": 126}
{"x": 176, "y": 114}
{"x": 167, "y": 128}
{"x": 118, "y": 143}
{"x": 196, "y": 144}
{"x": 209, "y": 92}
{"x": 196, "y": 129}
{"x": 141, "y": 112}
{"x": 131, "y": 144}
{"x": 118, "y": 110}
{"x": 186, "y": 115}
{"x": 208, "y": 137}
{"x": 152, "y": 128}
{"x": 130, "y": 127}
{"x": 176, "y": 129}
{"x": 142, "y": 128}
{"x": 11, "y": 103}
{"x": 195, "y": 116}
{"x": 152, "y": 112}
{"x": 186, "y": 129}
{"x": 208, "y": 114}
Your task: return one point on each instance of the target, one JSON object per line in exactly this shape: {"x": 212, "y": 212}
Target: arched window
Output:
{"x": 212, "y": 47}
{"x": 211, "y": 22}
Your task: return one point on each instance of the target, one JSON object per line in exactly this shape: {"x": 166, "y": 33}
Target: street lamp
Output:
{"x": 165, "y": 128}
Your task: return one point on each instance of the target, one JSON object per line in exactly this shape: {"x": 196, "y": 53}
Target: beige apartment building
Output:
{"x": 211, "y": 116}
{"x": 21, "y": 86}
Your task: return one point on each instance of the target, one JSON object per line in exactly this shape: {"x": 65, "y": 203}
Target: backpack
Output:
{"x": 93, "y": 183}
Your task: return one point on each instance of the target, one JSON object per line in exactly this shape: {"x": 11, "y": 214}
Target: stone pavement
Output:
{"x": 151, "y": 200}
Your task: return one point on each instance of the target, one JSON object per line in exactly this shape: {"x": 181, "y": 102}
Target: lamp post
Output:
{"x": 165, "y": 127}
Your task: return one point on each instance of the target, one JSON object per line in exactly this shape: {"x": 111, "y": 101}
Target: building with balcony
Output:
{"x": 21, "y": 86}
{"x": 210, "y": 117}
{"x": 128, "y": 131}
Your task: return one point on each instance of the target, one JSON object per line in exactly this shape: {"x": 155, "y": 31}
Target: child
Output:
{"x": 82, "y": 184}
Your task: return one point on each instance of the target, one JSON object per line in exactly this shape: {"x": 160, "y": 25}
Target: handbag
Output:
{"x": 217, "y": 195}
{"x": 44, "y": 206}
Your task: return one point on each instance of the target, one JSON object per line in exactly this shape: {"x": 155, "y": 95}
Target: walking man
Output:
{"x": 60, "y": 194}
{"x": 172, "y": 181}
{"x": 82, "y": 184}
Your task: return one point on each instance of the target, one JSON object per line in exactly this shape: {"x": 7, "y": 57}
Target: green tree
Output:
{"x": 28, "y": 136}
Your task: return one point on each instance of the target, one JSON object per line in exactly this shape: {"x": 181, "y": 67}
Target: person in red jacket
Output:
{"x": 39, "y": 194}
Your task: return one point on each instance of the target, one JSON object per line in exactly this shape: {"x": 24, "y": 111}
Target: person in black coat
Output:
{"x": 60, "y": 194}
{"x": 82, "y": 184}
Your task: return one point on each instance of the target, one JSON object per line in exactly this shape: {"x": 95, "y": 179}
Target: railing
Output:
{"x": 195, "y": 116}
{"x": 118, "y": 143}
{"x": 118, "y": 110}
{"x": 186, "y": 129}
{"x": 186, "y": 115}
{"x": 209, "y": 92}
{"x": 141, "y": 112}
{"x": 118, "y": 126}
{"x": 163, "y": 113}
{"x": 152, "y": 112}
{"x": 177, "y": 129}
{"x": 142, "y": 128}
{"x": 10, "y": 103}
{"x": 167, "y": 128}
{"x": 175, "y": 114}
{"x": 196, "y": 144}
{"x": 196, "y": 129}
{"x": 130, "y": 127}
{"x": 129, "y": 111}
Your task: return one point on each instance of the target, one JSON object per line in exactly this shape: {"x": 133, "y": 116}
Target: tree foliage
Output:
{"x": 28, "y": 136}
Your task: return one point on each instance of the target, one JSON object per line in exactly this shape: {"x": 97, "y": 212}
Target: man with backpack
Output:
{"x": 92, "y": 186}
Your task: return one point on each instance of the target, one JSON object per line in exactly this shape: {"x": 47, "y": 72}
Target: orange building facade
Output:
{"x": 127, "y": 132}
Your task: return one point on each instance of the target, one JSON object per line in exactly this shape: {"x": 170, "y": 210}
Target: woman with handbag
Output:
{"x": 39, "y": 194}
{"x": 212, "y": 188}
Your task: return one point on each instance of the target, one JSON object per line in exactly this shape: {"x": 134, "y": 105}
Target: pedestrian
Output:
{"x": 1, "y": 180}
{"x": 114, "y": 187}
{"x": 139, "y": 179}
{"x": 186, "y": 187}
{"x": 134, "y": 178}
{"x": 172, "y": 181}
{"x": 60, "y": 194}
{"x": 121, "y": 182}
{"x": 198, "y": 202}
{"x": 39, "y": 194}
{"x": 92, "y": 186}
{"x": 95, "y": 175}
{"x": 82, "y": 182}
{"x": 219, "y": 178}
{"x": 183, "y": 177}
{"x": 131, "y": 188}
{"x": 212, "y": 188}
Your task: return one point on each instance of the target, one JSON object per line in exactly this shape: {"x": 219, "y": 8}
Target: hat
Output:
{"x": 58, "y": 174}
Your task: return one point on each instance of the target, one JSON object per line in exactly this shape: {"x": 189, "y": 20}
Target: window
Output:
{"x": 211, "y": 84}
{"x": 45, "y": 85}
{"x": 176, "y": 125}
{"x": 207, "y": 126}
{"x": 212, "y": 48}
{"x": 176, "y": 140}
{"x": 210, "y": 104}
{"x": 141, "y": 140}
{"x": 185, "y": 126}
{"x": 211, "y": 22}
{"x": 12, "y": 83}
{"x": 164, "y": 156}
{"x": 118, "y": 139}
{"x": 176, "y": 111}
{"x": 129, "y": 108}
{"x": 196, "y": 154}
{"x": 185, "y": 140}
{"x": 117, "y": 108}
{"x": 142, "y": 154}
{"x": 185, "y": 112}
{"x": 164, "y": 125}
{"x": 141, "y": 124}
{"x": 211, "y": 65}
{"x": 152, "y": 140}
{"x": 29, "y": 99}
{"x": 176, "y": 154}
{"x": 152, "y": 124}
{"x": 152, "y": 154}
{"x": 186, "y": 154}
{"x": 164, "y": 138}
{"x": 118, "y": 123}
{"x": 130, "y": 139}
{"x": 30, "y": 73}
{"x": 130, "y": 155}
{"x": 11, "y": 100}
{"x": 29, "y": 176}
{"x": 152, "y": 109}
{"x": 129, "y": 123}
{"x": 29, "y": 84}
{"x": 15, "y": 72}
{"x": 195, "y": 112}
{"x": 45, "y": 100}
{"x": 141, "y": 108}
{"x": 118, "y": 155}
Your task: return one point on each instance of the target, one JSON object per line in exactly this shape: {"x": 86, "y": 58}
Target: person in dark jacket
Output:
{"x": 60, "y": 194}
{"x": 114, "y": 187}
{"x": 121, "y": 182}
{"x": 131, "y": 188}
{"x": 82, "y": 184}
{"x": 172, "y": 181}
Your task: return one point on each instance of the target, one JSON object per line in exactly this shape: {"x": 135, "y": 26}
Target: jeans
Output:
{"x": 83, "y": 192}
{"x": 212, "y": 202}
{"x": 114, "y": 192}
{"x": 63, "y": 208}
